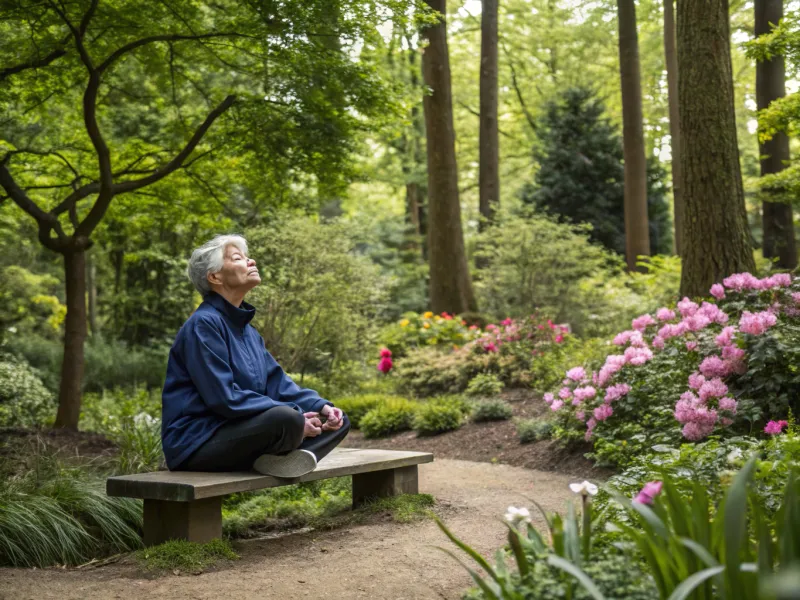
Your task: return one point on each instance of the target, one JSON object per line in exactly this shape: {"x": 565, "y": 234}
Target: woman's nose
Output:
{"x": 251, "y": 262}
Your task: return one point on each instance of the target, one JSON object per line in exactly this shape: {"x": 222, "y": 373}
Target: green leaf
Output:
{"x": 490, "y": 588}
{"x": 688, "y": 585}
{"x": 472, "y": 553}
{"x": 519, "y": 553}
{"x": 577, "y": 573}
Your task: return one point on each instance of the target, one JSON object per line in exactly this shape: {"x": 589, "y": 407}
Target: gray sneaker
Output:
{"x": 288, "y": 466}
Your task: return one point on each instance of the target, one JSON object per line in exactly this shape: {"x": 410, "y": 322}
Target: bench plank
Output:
{"x": 187, "y": 486}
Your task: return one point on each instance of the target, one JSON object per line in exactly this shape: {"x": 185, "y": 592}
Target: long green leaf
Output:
{"x": 472, "y": 553}
{"x": 491, "y": 589}
{"x": 577, "y": 573}
{"x": 689, "y": 584}
{"x": 519, "y": 553}
{"x": 735, "y": 521}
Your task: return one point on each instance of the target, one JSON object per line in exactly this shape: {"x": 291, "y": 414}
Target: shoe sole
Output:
{"x": 289, "y": 466}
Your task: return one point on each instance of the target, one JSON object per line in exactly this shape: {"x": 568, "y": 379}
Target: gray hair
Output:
{"x": 209, "y": 258}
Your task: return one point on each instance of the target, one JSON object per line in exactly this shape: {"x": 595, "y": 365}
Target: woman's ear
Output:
{"x": 214, "y": 278}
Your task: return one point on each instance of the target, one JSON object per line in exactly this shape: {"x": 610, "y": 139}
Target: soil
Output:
{"x": 377, "y": 560}
{"x": 77, "y": 447}
{"x": 494, "y": 442}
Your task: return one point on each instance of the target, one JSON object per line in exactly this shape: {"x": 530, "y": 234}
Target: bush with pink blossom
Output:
{"x": 719, "y": 366}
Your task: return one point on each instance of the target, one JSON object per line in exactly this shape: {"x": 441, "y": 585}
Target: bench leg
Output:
{"x": 198, "y": 521}
{"x": 380, "y": 484}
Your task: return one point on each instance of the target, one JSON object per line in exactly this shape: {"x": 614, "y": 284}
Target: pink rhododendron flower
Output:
{"x": 649, "y": 492}
{"x": 643, "y": 322}
{"x": 687, "y": 308}
{"x": 615, "y": 392}
{"x": 584, "y": 393}
{"x": 696, "y": 380}
{"x": 756, "y": 323}
{"x": 576, "y": 374}
{"x": 638, "y": 356}
{"x": 556, "y": 405}
{"x": 726, "y": 337}
{"x": 507, "y": 322}
{"x": 602, "y": 412}
{"x": 565, "y": 393}
{"x": 491, "y": 327}
{"x": 713, "y": 388}
{"x": 696, "y": 322}
{"x": 728, "y": 404}
{"x": 696, "y": 431}
{"x": 796, "y": 297}
{"x": 385, "y": 352}
{"x": 549, "y": 398}
{"x": 732, "y": 353}
{"x": 714, "y": 313}
{"x": 580, "y": 415}
{"x": 779, "y": 280}
{"x": 742, "y": 281}
{"x": 717, "y": 291}
{"x": 658, "y": 343}
{"x": 385, "y": 365}
{"x": 490, "y": 347}
{"x": 665, "y": 314}
{"x": 714, "y": 366}
{"x": 691, "y": 346}
{"x": 775, "y": 427}
{"x": 590, "y": 425}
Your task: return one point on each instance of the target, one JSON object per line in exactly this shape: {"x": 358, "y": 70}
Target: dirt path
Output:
{"x": 376, "y": 561}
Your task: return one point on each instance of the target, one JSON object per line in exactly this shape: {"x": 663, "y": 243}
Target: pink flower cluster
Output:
{"x": 511, "y": 330}
{"x": 707, "y": 403}
{"x": 775, "y": 427}
{"x": 649, "y": 492}
{"x": 385, "y": 364}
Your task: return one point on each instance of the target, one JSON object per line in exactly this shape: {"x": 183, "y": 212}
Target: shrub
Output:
{"x": 318, "y": 298}
{"x": 139, "y": 443}
{"x": 416, "y": 330}
{"x": 24, "y": 400}
{"x": 28, "y": 304}
{"x": 491, "y": 410}
{"x": 722, "y": 367}
{"x": 186, "y": 556}
{"x": 358, "y": 406}
{"x": 107, "y": 411}
{"x": 388, "y": 418}
{"x": 438, "y": 417}
{"x": 484, "y": 385}
{"x": 534, "y": 430}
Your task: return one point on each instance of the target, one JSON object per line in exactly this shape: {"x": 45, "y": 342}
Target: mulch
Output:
{"x": 494, "y": 442}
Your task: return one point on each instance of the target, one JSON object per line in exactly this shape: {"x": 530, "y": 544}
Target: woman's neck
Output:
{"x": 235, "y": 297}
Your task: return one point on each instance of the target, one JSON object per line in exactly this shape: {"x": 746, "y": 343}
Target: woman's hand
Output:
{"x": 313, "y": 426}
{"x": 334, "y": 418}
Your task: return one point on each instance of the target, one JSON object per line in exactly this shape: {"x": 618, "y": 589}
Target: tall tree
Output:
{"x": 671, "y": 60}
{"x": 489, "y": 160}
{"x": 716, "y": 240}
{"x": 450, "y": 283}
{"x": 637, "y": 234}
{"x": 777, "y": 218}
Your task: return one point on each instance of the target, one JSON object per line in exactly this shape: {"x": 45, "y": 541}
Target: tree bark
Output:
{"x": 671, "y": 60}
{"x": 450, "y": 284}
{"x": 69, "y": 395}
{"x": 91, "y": 281}
{"x": 489, "y": 144}
{"x": 777, "y": 219}
{"x": 637, "y": 226}
{"x": 716, "y": 242}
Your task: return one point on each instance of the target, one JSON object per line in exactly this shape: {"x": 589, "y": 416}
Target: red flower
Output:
{"x": 386, "y": 353}
{"x": 385, "y": 365}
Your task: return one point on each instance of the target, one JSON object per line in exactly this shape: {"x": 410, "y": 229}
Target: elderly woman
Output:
{"x": 227, "y": 404}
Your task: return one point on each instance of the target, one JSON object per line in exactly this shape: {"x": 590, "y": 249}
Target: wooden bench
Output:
{"x": 187, "y": 505}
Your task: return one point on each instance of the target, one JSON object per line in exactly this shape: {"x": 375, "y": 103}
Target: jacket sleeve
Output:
{"x": 288, "y": 391}
{"x": 207, "y": 362}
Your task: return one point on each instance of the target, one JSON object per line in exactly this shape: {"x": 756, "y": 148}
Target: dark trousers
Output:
{"x": 236, "y": 445}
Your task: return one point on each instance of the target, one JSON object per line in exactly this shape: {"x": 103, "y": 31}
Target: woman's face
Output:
{"x": 238, "y": 273}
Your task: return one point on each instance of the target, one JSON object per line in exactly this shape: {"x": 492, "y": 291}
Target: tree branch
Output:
{"x": 515, "y": 85}
{"x": 32, "y": 64}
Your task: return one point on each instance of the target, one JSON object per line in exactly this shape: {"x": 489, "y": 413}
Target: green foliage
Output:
{"x": 404, "y": 508}
{"x": 430, "y": 371}
{"x": 534, "y": 430}
{"x": 190, "y": 557}
{"x": 491, "y": 410}
{"x": 390, "y": 417}
{"x": 438, "y": 416}
{"x": 357, "y": 406}
{"x": 581, "y": 173}
{"x": 51, "y": 515}
{"x": 548, "y": 368}
{"x": 539, "y": 264}
{"x": 28, "y": 304}
{"x": 416, "y": 330}
{"x": 139, "y": 445}
{"x": 484, "y": 385}
{"x": 292, "y": 505}
{"x": 317, "y": 300}
{"x": 24, "y": 400}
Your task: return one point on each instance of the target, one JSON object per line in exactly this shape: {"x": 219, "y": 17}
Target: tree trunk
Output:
{"x": 778, "y": 222}
{"x": 488, "y": 176}
{"x": 671, "y": 59}
{"x": 716, "y": 242}
{"x": 637, "y": 227}
{"x": 450, "y": 284}
{"x": 91, "y": 281}
{"x": 69, "y": 395}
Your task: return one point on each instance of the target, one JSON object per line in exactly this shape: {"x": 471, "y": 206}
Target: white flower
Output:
{"x": 518, "y": 515}
{"x": 12, "y": 330}
{"x": 584, "y": 488}
{"x": 735, "y": 455}
{"x": 144, "y": 419}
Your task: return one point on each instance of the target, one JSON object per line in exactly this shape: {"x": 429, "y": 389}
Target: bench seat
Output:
{"x": 188, "y": 505}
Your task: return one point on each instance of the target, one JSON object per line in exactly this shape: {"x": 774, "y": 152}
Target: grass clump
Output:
{"x": 438, "y": 416}
{"x": 404, "y": 508}
{"x": 289, "y": 506}
{"x": 186, "y": 556}
{"x": 485, "y": 384}
{"x": 534, "y": 430}
{"x": 391, "y": 417}
{"x": 491, "y": 410}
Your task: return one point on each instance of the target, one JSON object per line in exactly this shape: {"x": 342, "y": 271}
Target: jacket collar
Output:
{"x": 240, "y": 316}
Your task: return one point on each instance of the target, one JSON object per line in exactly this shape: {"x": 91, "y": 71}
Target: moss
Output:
{"x": 186, "y": 556}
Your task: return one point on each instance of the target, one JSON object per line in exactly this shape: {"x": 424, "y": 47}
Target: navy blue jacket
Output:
{"x": 219, "y": 370}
